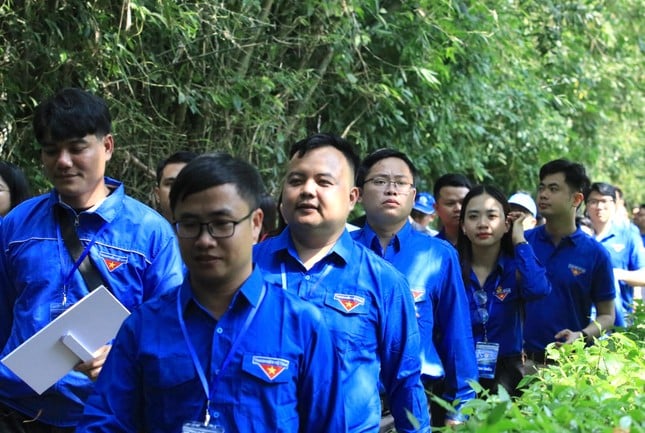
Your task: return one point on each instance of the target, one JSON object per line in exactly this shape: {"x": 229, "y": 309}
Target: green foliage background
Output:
{"x": 491, "y": 88}
{"x": 597, "y": 389}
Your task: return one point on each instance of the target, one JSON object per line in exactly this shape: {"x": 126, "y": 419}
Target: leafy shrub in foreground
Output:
{"x": 589, "y": 389}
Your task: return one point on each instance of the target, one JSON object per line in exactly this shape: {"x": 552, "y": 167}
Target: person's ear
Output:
{"x": 108, "y": 145}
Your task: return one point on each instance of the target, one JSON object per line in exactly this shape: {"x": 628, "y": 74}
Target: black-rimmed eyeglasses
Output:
{"x": 191, "y": 229}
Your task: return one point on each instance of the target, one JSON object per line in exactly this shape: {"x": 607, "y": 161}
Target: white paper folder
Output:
{"x": 72, "y": 337}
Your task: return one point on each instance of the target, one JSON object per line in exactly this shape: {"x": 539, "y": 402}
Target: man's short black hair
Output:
{"x": 378, "y": 155}
{"x": 215, "y": 169}
{"x": 601, "y": 188}
{"x": 325, "y": 139}
{"x": 575, "y": 175}
{"x": 184, "y": 156}
{"x": 71, "y": 113}
{"x": 451, "y": 179}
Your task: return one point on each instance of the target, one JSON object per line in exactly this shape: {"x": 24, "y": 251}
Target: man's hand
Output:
{"x": 93, "y": 367}
{"x": 567, "y": 336}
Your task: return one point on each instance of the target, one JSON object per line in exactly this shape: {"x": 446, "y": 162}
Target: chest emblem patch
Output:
{"x": 501, "y": 293}
{"x": 271, "y": 367}
{"x": 111, "y": 264}
{"x": 576, "y": 270}
{"x": 618, "y": 247}
{"x": 349, "y": 302}
{"x": 417, "y": 294}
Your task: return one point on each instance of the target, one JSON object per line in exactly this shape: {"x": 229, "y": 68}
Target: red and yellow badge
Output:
{"x": 417, "y": 294}
{"x": 271, "y": 367}
{"x": 111, "y": 264}
{"x": 501, "y": 293}
{"x": 576, "y": 270}
{"x": 349, "y": 302}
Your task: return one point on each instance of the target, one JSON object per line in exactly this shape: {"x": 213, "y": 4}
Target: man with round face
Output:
{"x": 226, "y": 350}
{"x": 624, "y": 246}
{"x": 575, "y": 263}
{"x": 129, "y": 245}
{"x": 167, "y": 172}
{"x": 357, "y": 293}
{"x": 386, "y": 179}
{"x": 449, "y": 192}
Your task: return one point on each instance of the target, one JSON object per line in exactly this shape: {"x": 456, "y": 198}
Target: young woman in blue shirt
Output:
{"x": 500, "y": 274}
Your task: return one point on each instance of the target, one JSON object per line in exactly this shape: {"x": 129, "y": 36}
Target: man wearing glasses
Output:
{"x": 624, "y": 246}
{"x": 364, "y": 301}
{"x": 225, "y": 353}
{"x": 386, "y": 182}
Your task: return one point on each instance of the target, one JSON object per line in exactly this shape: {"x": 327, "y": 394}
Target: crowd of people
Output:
{"x": 255, "y": 314}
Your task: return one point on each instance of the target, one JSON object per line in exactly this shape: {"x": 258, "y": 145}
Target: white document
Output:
{"x": 73, "y": 336}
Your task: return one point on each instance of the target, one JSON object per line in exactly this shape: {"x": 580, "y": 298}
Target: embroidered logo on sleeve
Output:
{"x": 501, "y": 293}
{"x": 272, "y": 367}
{"x": 349, "y": 302}
{"x": 576, "y": 270}
{"x": 417, "y": 294}
{"x": 113, "y": 262}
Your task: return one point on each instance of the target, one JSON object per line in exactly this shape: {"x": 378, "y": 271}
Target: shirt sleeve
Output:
{"x": 166, "y": 270}
{"x": 115, "y": 405}
{"x": 7, "y": 295}
{"x": 532, "y": 275}
{"x": 401, "y": 360}
{"x": 453, "y": 337}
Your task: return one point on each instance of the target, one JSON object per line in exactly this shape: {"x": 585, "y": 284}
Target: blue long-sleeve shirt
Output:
{"x": 432, "y": 269}
{"x": 580, "y": 272}
{"x": 134, "y": 250}
{"x": 515, "y": 281}
{"x": 626, "y": 252}
{"x": 366, "y": 304}
{"x": 282, "y": 377}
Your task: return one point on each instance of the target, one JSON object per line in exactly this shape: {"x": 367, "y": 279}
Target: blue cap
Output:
{"x": 424, "y": 202}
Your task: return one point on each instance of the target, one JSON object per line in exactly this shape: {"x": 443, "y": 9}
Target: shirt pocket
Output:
{"x": 270, "y": 380}
{"x": 169, "y": 380}
{"x": 348, "y": 317}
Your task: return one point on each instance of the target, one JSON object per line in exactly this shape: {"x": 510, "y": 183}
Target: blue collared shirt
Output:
{"x": 366, "y": 304}
{"x": 580, "y": 272}
{"x": 627, "y": 252}
{"x": 515, "y": 281}
{"x": 432, "y": 269}
{"x": 136, "y": 253}
{"x": 283, "y": 377}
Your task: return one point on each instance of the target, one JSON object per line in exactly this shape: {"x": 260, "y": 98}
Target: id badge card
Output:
{"x": 200, "y": 427}
{"x": 56, "y": 310}
{"x": 486, "y": 359}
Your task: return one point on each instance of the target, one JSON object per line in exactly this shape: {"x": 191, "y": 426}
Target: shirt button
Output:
{"x": 219, "y": 330}
{"x": 307, "y": 277}
{"x": 215, "y": 414}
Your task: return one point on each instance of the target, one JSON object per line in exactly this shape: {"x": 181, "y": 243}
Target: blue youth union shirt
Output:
{"x": 283, "y": 377}
{"x": 432, "y": 269}
{"x": 580, "y": 272}
{"x": 366, "y": 304}
{"x": 515, "y": 281}
{"x": 136, "y": 253}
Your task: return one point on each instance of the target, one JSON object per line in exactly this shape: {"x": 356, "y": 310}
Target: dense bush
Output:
{"x": 490, "y": 88}
{"x": 590, "y": 389}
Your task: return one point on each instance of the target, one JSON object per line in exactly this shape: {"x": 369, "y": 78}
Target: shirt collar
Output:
{"x": 283, "y": 243}
{"x": 107, "y": 209}
{"x": 396, "y": 242}
{"x": 250, "y": 290}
